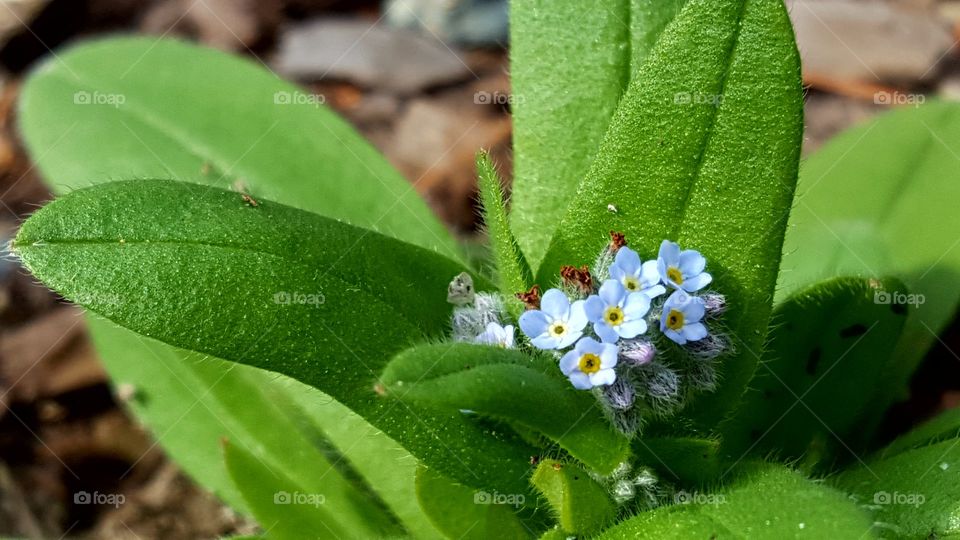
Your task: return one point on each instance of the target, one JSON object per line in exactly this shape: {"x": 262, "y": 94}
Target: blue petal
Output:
{"x": 632, "y": 329}
{"x": 589, "y": 345}
{"x": 568, "y": 338}
{"x": 636, "y": 305}
{"x": 693, "y": 310}
{"x": 608, "y": 357}
{"x": 555, "y": 304}
{"x": 578, "y": 316}
{"x": 569, "y": 362}
{"x": 603, "y": 377}
{"x": 593, "y": 308}
{"x": 654, "y": 291}
{"x": 669, "y": 253}
{"x": 697, "y": 282}
{"x": 693, "y": 332}
{"x": 675, "y": 336}
{"x": 649, "y": 275}
{"x": 606, "y": 333}
{"x": 627, "y": 260}
{"x": 580, "y": 380}
{"x": 545, "y": 341}
{"x": 691, "y": 263}
{"x": 534, "y": 323}
{"x": 612, "y": 292}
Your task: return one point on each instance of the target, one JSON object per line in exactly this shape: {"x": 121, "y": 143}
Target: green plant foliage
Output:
{"x": 912, "y": 494}
{"x": 465, "y": 513}
{"x": 942, "y": 427}
{"x": 513, "y": 273}
{"x": 283, "y": 289}
{"x": 580, "y": 504}
{"x": 769, "y": 501}
{"x": 149, "y": 108}
{"x": 863, "y": 202}
{"x": 508, "y": 385}
{"x": 270, "y": 495}
{"x": 254, "y": 415}
{"x": 569, "y": 68}
{"x": 804, "y": 401}
{"x": 715, "y": 174}
{"x": 681, "y": 460}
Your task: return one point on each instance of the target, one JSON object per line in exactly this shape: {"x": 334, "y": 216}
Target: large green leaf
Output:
{"x": 285, "y": 508}
{"x": 464, "y": 513}
{"x": 829, "y": 350}
{"x": 913, "y": 494}
{"x": 942, "y": 427}
{"x": 769, "y": 502}
{"x": 703, "y": 149}
{"x": 508, "y": 385}
{"x": 581, "y": 505}
{"x": 204, "y": 400}
{"x": 569, "y": 68}
{"x": 126, "y": 108}
{"x": 880, "y": 199}
{"x": 270, "y": 286}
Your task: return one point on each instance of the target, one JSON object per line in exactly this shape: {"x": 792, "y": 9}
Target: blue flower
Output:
{"x": 496, "y": 335}
{"x": 616, "y": 314}
{"x": 680, "y": 320}
{"x": 682, "y": 269}
{"x": 590, "y": 364}
{"x": 634, "y": 276}
{"x": 557, "y": 324}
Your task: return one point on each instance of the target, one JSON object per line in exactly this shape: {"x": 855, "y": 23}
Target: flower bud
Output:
{"x": 636, "y": 352}
{"x": 714, "y": 304}
{"x": 620, "y": 395}
{"x": 709, "y": 347}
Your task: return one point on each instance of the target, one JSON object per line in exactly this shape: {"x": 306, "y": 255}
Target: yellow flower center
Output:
{"x": 675, "y": 319}
{"x": 589, "y": 363}
{"x": 631, "y": 283}
{"x": 613, "y": 316}
{"x": 557, "y": 329}
{"x": 675, "y": 276}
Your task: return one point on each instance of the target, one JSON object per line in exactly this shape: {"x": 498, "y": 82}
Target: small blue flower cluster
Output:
{"x": 617, "y": 313}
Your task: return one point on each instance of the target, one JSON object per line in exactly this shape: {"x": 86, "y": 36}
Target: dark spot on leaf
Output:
{"x": 755, "y": 434}
{"x": 767, "y": 394}
{"x": 853, "y": 331}
{"x": 576, "y": 477}
{"x": 899, "y": 309}
{"x": 813, "y": 360}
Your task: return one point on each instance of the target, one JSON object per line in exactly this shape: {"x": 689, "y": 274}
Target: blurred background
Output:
{"x": 427, "y": 82}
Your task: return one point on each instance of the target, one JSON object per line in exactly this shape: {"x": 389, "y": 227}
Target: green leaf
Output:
{"x": 913, "y": 494}
{"x": 569, "y": 68}
{"x": 942, "y": 427}
{"x": 274, "y": 287}
{"x": 716, "y": 178}
{"x": 769, "y": 502}
{"x": 204, "y": 401}
{"x": 513, "y": 272}
{"x": 681, "y": 460}
{"x": 508, "y": 385}
{"x": 829, "y": 351}
{"x": 581, "y": 505}
{"x": 124, "y": 108}
{"x": 282, "y": 506}
{"x": 465, "y": 513}
{"x": 879, "y": 199}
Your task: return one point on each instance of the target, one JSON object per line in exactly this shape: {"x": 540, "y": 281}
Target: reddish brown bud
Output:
{"x": 577, "y": 278}
{"x": 531, "y": 298}
{"x": 617, "y": 241}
